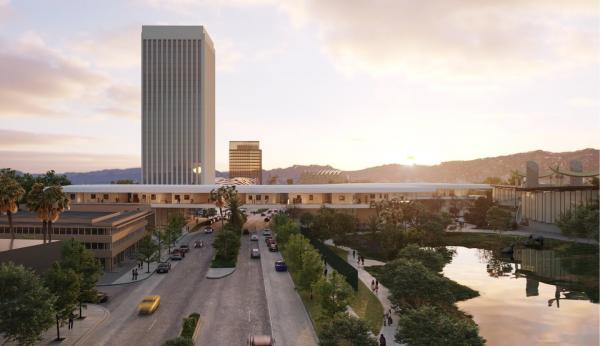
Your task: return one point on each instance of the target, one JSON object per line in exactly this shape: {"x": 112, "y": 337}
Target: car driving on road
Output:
{"x": 208, "y": 230}
{"x": 280, "y": 266}
{"x": 254, "y": 237}
{"x": 273, "y": 247}
{"x": 149, "y": 304}
{"x": 255, "y": 253}
{"x": 163, "y": 267}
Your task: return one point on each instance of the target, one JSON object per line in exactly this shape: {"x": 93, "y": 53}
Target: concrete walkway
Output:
{"x": 94, "y": 316}
{"x": 523, "y": 233}
{"x": 382, "y": 294}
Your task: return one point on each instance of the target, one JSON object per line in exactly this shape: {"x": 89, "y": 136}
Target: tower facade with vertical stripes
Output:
{"x": 178, "y": 105}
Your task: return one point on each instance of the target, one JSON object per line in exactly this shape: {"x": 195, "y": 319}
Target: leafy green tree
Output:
{"x": 82, "y": 261}
{"x": 373, "y": 224}
{"x": 412, "y": 285}
{"x": 429, "y": 326}
{"x": 344, "y": 329}
{"x": 581, "y": 221}
{"x": 499, "y": 218}
{"x": 284, "y": 227}
{"x": 64, "y": 284}
{"x": 26, "y": 305}
{"x": 147, "y": 251}
{"x": 306, "y": 219}
{"x": 477, "y": 214}
{"x": 330, "y": 223}
{"x": 311, "y": 269}
{"x": 389, "y": 212}
{"x": 293, "y": 250}
{"x": 10, "y": 194}
{"x": 173, "y": 231}
{"x": 428, "y": 257}
{"x": 237, "y": 218}
{"x": 226, "y": 244}
{"x": 333, "y": 294}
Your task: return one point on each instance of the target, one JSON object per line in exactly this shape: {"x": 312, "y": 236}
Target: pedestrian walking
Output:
{"x": 136, "y": 274}
{"x": 372, "y": 285}
{"x": 358, "y": 262}
{"x": 325, "y": 271}
{"x": 133, "y": 274}
{"x": 353, "y": 253}
{"x": 390, "y": 321}
{"x": 376, "y": 284}
{"x": 70, "y": 326}
{"x": 362, "y": 259}
{"x": 381, "y": 340}
{"x": 385, "y": 319}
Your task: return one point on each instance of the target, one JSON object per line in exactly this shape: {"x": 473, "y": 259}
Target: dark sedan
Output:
{"x": 280, "y": 266}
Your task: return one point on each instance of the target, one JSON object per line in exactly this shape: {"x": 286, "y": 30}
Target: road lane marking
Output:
{"x": 153, "y": 322}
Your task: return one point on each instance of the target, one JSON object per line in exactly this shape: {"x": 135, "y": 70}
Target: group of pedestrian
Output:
{"x": 134, "y": 273}
{"x": 387, "y": 318}
{"x": 375, "y": 285}
{"x": 361, "y": 259}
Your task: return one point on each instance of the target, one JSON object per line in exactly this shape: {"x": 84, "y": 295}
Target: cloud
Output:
{"x": 41, "y": 161}
{"x": 37, "y": 80}
{"x": 499, "y": 38}
{"x": 14, "y": 139}
{"x": 118, "y": 48}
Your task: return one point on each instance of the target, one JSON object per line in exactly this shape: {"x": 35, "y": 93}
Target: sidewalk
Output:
{"x": 123, "y": 276}
{"x": 94, "y": 316}
{"x": 382, "y": 295}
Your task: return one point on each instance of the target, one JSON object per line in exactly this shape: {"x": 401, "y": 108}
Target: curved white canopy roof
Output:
{"x": 308, "y": 188}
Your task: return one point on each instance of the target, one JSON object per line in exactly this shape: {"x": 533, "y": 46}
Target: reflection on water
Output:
{"x": 535, "y": 297}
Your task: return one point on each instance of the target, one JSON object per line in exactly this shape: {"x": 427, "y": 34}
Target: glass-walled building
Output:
{"x": 245, "y": 160}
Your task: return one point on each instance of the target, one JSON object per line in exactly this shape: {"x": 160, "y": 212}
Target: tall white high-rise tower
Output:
{"x": 178, "y": 105}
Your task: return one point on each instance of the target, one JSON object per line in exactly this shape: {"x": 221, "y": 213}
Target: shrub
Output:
{"x": 431, "y": 326}
{"x": 344, "y": 329}
{"x": 179, "y": 341}
{"x": 189, "y": 325}
{"x": 428, "y": 257}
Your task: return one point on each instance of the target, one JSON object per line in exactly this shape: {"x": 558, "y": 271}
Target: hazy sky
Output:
{"x": 351, "y": 83}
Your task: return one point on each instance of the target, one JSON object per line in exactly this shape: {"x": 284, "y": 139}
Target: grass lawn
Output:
{"x": 368, "y": 307}
{"x": 221, "y": 263}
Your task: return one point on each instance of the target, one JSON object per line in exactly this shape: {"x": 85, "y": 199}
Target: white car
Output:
{"x": 208, "y": 230}
{"x": 254, "y": 237}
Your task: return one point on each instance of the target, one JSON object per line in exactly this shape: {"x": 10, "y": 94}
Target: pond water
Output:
{"x": 534, "y": 297}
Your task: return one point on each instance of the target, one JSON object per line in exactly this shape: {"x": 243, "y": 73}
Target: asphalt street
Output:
{"x": 230, "y": 309}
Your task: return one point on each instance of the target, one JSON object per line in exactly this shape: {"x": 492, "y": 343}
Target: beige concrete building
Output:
{"x": 111, "y": 235}
{"x": 245, "y": 160}
{"x": 178, "y": 105}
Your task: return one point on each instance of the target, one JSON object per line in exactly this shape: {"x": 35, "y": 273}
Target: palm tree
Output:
{"x": 58, "y": 202}
{"x": 37, "y": 202}
{"x": 10, "y": 193}
{"x": 47, "y": 203}
{"x": 222, "y": 196}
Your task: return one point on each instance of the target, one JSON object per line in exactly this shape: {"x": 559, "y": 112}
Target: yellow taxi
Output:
{"x": 149, "y": 304}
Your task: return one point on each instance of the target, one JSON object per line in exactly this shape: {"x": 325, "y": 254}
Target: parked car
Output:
{"x": 198, "y": 244}
{"x": 267, "y": 219}
{"x": 268, "y": 241}
{"x": 255, "y": 253}
{"x": 163, "y": 267}
{"x": 280, "y": 266}
{"x": 208, "y": 230}
{"x": 101, "y": 297}
{"x": 184, "y": 248}
{"x": 273, "y": 247}
{"x": 261, "y": 340}
{"x": 149, "y": 304}
{"x": 176, "y": 256}
{"x": 263, "y": 214}
{"x": 266, "y": 232}
{"x": 254, "y": 237}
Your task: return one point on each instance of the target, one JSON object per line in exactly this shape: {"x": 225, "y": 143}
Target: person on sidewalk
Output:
{"x": 325, "y": 272}
{"x": 385, "y": 319}
{"x": 353, "y": 253}
{"x": 381, "y": 340}
{"x": 133, "y": 274}
{"x": 372, "y": 285}
{"x": 70, "y": 326}
{"x": 376, "y": 284}
{"x": 362, "y": 259}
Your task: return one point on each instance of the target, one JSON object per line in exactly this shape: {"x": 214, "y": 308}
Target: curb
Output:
{"x": 83, "y": 338}
{"x": 127, "y": 283}
{"x": 219, "y": 276}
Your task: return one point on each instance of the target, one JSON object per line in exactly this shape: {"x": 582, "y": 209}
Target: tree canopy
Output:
{"x": 26, "y": 305}
{"x": 581, "y": 221}
{"x": 333, "y": 293}
{"x": 344, "y": 329}
{"x": 499, "y": 218}
{"x": 429, "y": 326}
